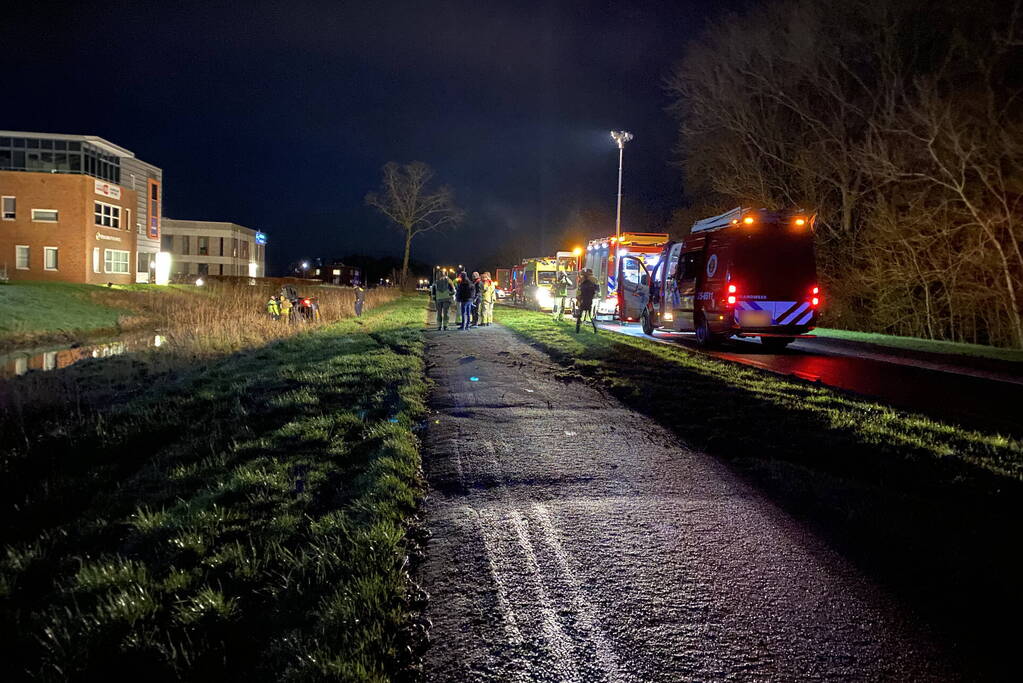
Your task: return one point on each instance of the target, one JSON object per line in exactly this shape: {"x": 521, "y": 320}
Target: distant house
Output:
{"x": 330, "y": 271}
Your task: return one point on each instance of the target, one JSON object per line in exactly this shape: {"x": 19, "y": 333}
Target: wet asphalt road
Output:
{"x": 974, "y": 393}
{"x": 573, "y": 539}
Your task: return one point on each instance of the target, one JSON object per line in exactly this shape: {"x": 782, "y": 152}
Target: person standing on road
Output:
{"x": 488, "y": 297}
{"x": 442, "y": 291}
{"x": 360, "y": 299}
{"x": 464, "y": 296}
{"x": 587, "y": 290}
{"x": 477, "y": 298}
{"x": 560, "y": 295}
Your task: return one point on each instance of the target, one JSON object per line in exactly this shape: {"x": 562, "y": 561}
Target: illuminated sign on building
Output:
{"x": 260, "y": 238}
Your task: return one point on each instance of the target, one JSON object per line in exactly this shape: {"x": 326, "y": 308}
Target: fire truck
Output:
{"x": 749, "y": 273}
{"x": 502, "y": 282}
{"x": 604, "y": 258}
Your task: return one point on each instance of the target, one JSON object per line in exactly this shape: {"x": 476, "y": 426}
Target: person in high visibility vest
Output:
{"x": 442, "y": 291}
{"x": 560, "y": 295}
{"x": 360, "y": 299}
{"x": 286, "y": 309}
{"x": 273, "y": 308}
{"x": 489, "y": 295}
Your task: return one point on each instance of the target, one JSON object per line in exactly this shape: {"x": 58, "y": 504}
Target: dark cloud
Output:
{"x": 280, "y": 115}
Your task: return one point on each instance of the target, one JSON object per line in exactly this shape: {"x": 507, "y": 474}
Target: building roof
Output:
{"x": 105, "y": 145}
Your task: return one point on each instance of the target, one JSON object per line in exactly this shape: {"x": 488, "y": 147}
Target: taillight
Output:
{"x": 305, "y": 301}
{"x": 815, "y": 299}
{"x": 733, "y": 295}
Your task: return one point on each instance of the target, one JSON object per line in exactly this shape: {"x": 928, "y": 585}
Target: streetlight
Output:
{"x": 620, "y": 137}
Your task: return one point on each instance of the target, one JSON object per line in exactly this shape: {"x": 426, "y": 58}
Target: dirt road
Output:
{"x": 574, "y": 539}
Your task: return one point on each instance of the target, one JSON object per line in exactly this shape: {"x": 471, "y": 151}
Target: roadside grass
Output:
{"x": 249, "y": 517}
{"x": 917, "y": 344}
{"x": 931, "y": 508}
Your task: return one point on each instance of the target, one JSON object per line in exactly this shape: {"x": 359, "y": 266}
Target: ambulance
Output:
{"x": 604, "y": 257}
{"x": 538, "y": 275}
{"x": 748, "y": 273}
{"x": 502, "y": 282}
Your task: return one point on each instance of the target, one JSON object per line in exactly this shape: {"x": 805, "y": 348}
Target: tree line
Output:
{"x": 901, "y": 124}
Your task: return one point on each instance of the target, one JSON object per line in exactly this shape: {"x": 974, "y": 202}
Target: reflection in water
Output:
{"x": 20, "y": 362}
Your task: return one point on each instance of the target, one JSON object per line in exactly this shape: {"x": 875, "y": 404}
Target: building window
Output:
{"x": 44, "y": 215}
{"x": 204, "y": 269}
{"x": 107, "y": 215}
{"x": 221, "y": 248}
{"x": 95, "y": 260}
{"x": 153, "y": 207}
{"x": 21, "y": 257}
{"x": 50, "y": 258}
{"x": 115, "y": 261}
{"x": 166, "y": 243}
{"x": 9, "y": 208}
{"x": 185, "y": 244}
{"x": 204, "y": 246}
{"x": 245, "y": 249}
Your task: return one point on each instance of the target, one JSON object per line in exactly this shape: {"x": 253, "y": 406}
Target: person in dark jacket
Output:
{"x": 587, "y": 290}
{"x": 477, "y": 298}
{"x": 464, "y": 295}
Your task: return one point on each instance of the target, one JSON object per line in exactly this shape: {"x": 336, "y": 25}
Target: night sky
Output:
{"x": 279, "y": 116}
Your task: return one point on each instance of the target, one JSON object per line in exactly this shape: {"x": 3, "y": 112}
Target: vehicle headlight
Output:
{"x": 543, "y": 296}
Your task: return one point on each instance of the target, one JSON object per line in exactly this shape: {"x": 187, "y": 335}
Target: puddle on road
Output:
{"x": 17, "y": 363}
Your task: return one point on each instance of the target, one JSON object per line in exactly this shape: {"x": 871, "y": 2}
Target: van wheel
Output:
{"x": 704, "y": 337}
{"x": 648, "y": 325}
{"x": 775, "y": 343}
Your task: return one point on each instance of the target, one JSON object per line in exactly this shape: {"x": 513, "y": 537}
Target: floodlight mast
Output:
{"x": 620, "y": 137}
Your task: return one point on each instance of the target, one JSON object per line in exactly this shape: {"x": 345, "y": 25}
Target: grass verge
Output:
{"x": 927, "y": 345}
{"x": 926, "y": 507}
{"x": 39, "y": 308}
{"x": 250, "y": 517}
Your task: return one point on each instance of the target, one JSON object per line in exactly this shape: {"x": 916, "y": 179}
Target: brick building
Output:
{"x": 213, "y": 248}
{"x": 77, "y": 208}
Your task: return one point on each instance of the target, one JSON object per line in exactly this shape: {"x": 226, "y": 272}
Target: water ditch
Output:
{"x": 21, "y": 361}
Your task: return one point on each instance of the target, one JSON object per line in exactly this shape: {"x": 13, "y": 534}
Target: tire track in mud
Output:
{"x": 574, "y": 540}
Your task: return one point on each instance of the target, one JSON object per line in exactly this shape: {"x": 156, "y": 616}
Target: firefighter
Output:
{"x": 273, "y": 308}
{"x": 560, "y": 295}
{"x": 488, "y": 298}
{"x": 286, "y": 308}
{"x": 587, "y": 290}
{"x": 442, "y": 291}
{"x": 360, "y": 299}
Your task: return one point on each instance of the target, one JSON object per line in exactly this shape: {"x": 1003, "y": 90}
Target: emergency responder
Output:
{"x": 561, "y": 295}
{"x": 477, "y": 298}
{"x": 489, "y": 295}
{"x": 442, "y": 291}
{"x": 464, "y": 296}
{"x": 360, "y": 299}
{"x": 286, "y": 308}
{"x": 587, "y": 290}
{"x": 273, "y": 308}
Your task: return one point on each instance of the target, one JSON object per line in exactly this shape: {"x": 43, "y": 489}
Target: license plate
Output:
{"x": 754, "y": 318}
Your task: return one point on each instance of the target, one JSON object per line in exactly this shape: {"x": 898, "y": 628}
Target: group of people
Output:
{"x": 280, "y": 308}
{"x": 474, "y": 296}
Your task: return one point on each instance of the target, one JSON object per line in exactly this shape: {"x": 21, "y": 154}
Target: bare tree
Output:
{"x": 406, "y": 199}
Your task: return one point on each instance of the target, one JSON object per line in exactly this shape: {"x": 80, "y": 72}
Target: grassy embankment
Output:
{"x": 248, "y": 516}
{"x": 219, "y": 317}
{"x": 928, "y": 507}
{"x": 927, "y": 345}
{"x": 34, "y": 311}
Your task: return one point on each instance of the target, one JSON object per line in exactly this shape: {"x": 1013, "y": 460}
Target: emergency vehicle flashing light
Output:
{"x": 800, "y": 221}
{"x": 748, "y": 220}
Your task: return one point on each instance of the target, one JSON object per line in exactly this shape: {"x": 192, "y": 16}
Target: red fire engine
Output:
{"x": 750, "y": 273}
{"x": 604, "y": 258}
